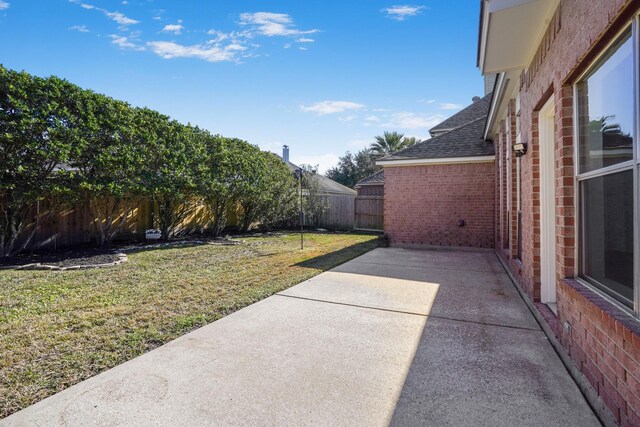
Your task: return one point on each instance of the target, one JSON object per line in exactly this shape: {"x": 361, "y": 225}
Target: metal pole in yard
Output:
{"x": 301, "y": 216}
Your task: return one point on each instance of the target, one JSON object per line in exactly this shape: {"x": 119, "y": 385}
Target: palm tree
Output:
{"x": 411, "y": 140}
{"x": 391, "y": 142}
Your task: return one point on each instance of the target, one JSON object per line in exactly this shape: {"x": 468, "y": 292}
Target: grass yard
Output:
{"x": 59, "y": 328}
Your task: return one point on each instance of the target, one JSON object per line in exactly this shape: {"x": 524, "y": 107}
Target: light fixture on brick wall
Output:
{"x": 519, "y": 149}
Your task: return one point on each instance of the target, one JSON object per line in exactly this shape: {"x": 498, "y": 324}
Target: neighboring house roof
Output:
{"x": 474, "y": 111}
{"x": 464, "y": 141}
{"x": 375, "y": 179}
{"x": 326, "y": 185}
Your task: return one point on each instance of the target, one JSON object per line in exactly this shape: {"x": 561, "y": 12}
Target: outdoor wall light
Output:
{"x": 519, "y": 149}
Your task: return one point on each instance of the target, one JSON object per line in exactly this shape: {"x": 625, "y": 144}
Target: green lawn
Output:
{"x": 59, "y": 328}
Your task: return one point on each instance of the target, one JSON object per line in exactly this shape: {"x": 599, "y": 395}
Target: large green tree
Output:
{"x": 270, "y": 197}
{"x": 37, "y": 138}
{"x": 351, "y": 168}
{"x": 108, "y": 166}
{"x": 222, "y": 180}
{"x": 172, "y": 156}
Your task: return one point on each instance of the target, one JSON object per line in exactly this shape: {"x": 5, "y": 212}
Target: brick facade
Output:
{"x": 602, "y": 340}
{"x": 424, "y": 204}
{"x": 371, "y": 190}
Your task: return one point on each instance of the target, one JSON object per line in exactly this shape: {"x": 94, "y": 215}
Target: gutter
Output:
{"x": 498, "y": 93}
{"x": 438, "y": 161}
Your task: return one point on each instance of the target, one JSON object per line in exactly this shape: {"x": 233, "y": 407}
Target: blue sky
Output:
{"x": 321, "y": 76}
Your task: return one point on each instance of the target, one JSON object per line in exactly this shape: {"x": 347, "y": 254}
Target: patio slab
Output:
{"x": 367, "y": 343}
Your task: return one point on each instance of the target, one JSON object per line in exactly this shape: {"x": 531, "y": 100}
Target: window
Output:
{"x": 606, "y": 123}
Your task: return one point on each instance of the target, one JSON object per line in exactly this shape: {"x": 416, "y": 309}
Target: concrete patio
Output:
{"x": 396, "y": 336}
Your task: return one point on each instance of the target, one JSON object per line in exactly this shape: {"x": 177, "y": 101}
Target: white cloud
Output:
{"x": 272, "y": 24}
{"x": 4, "y": 5}
{"x": 400, "y": 13}
{"x": 302, "y": 48}
{"x": 372, "y": 118}
{"x": 124, "y": 43}
{"x": 81, "y": 28}
{"x": 125, "y": 2}
{"x": 323, "y": 161}
{"x": 408, "y": 120}
{"x": 173, "y": 28}
{"x": 347, "y": 119}
{"x": 330, "y": 107}
{"x": 215, "y": 53}
{"x": 450, "y": 106}
{"x": 121, "y": 18}
{"x": 305, "y": 40}
{"x": 118, "y": 17}
{"x": 287, "y": 46}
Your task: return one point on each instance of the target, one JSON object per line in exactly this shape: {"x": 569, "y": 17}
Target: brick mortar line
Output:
{"x": 409, "y": 313}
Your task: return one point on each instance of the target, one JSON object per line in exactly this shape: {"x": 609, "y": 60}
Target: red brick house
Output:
{"x": 440, "y": 192}
{"x": 373, "y": 185}
{"x": 561, "y": 197}
{"x": 564, "y": 121}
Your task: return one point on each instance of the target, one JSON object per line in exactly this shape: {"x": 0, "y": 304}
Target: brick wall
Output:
{"x": 604, "y": 340}
{"x": 423, "y": 205}
{"x": 371, "y": 190}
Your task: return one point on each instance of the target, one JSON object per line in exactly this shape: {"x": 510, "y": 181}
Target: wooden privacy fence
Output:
{"x": 74, "y": 225}
{"x": 369, "y": 213}
{"x": 339, "y": 215}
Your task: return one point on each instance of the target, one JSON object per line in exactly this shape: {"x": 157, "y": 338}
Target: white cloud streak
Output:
{"x": 124, "y": 43}
{"x": 331, "y": 107}
{"x": 173, "y": 28}
{"x": 118, "y": 17}
{"x": 400, "y": 13}
{"x": 4, "y": 5}
{"x": 450, "y": 106}
{"x": 216, "y": 53}
{"x": 272, "y": 24}
{"x": 80, "y": 28}
{"x": 408, "y": 120}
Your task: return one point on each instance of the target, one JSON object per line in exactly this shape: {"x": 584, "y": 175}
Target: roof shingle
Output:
{"x": 464, "y": 141}
{"x": 477, "y": 109}
{"x": 376, "y": 178}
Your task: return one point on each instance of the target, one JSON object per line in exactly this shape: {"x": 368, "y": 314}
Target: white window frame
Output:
{"x": 633, "y": 165}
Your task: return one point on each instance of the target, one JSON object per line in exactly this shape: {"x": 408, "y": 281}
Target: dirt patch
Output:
{"x": 82, "y": 257}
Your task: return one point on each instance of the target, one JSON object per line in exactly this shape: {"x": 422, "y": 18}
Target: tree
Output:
{"x": 109, "y": 164}
{"x": 352, "y": 168}
{"x": 315, "y": 203}
{"x": 270, "y": 198}
{"x": 171, "y": 159}
{"x": 223, "y": 179}
{"x": 391, "y": 142}
{"x": 411, "y": 140}
{"x": 36, "y": 137}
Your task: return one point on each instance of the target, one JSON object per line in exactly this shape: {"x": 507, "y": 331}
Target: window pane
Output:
{"x": 607, "y": 244}
{"x": 605, "y": 108}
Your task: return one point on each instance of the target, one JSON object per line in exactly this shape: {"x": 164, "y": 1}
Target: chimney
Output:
{"x": 285, "y": 153}
{"x": 475, "y": 99}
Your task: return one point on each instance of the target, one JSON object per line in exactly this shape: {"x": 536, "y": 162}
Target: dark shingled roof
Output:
{"x": 464, "y": 141}
{"x": 478, "y": 109}
{"x": 375, "y": 179}
{"x": 325, "y": 184}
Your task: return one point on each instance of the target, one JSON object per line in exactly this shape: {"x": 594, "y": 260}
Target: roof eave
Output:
{"x": 436, "y": 161}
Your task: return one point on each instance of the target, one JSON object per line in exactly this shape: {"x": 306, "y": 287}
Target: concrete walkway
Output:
{"x": 401, "y": 337}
